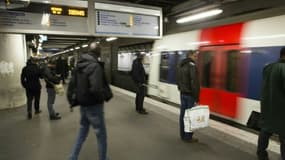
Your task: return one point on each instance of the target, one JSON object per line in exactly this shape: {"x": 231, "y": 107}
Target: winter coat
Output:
{"x": 50, "y": 77}
{"x": 90, "y": 82}
{"x": 30, "y": 77}
{"x": 273, "y": 98}
{"x": 187, "y": 78}
{"x": 138, "y": 72}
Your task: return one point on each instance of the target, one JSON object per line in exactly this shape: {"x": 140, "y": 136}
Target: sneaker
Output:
{"x": 29, "y": 116}
{"x": 38, "y": 112}
{"x": 193, "y": 140}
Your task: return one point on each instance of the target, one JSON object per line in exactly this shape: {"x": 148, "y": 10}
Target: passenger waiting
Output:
{"x": 49, "y": 73}
{"x": 30, "y": 80}
{"x": 189, "y": 87}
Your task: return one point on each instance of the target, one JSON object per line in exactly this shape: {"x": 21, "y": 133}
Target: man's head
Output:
{"x": 193, "y": 55}
{"x": 139, "y": 55}
{"x": 282, "y": 53}
{"x": 94, "y": 48}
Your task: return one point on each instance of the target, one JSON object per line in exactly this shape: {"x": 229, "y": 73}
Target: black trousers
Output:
{"x": 140, "y": 94}
{"x": 33, "y": 95}
{"x": 263, "y": 141}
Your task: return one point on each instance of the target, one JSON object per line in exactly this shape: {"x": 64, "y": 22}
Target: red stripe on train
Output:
{"x": 219, "y": 100}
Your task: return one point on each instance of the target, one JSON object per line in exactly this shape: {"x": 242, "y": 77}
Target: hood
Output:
{"x": 185, "y": 61}
{"x": 86, "y": 63}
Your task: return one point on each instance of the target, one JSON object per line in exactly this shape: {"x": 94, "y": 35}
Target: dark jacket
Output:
{"x": 138, "y": 72}
{"x": 30, "y": 76}
{"x": 89, "y": 81}
{"x": 273, "y": 98}
{"x": 50, "y": 77}
{"x": 187, "y": 78}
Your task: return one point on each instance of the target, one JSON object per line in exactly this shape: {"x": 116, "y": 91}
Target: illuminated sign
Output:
{"x": 68, "y": 11}
{"x": 56, "y": 10}
{"x": 76, "y": 12}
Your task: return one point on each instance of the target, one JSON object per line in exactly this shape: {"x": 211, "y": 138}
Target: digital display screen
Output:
{"x": 68, "y": 11}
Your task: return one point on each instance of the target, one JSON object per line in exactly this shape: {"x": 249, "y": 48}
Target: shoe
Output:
{"x": 142, "y": 112}
{"x": 55, "y": 117}
{"x": 38, "y": 112}
{"x": 262, "y": 157}
{"x": 29, "y": 116}
{"x": 193, "y": 140}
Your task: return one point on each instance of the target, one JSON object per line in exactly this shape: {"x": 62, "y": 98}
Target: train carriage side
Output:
{"x": 230, "y": 63}
{"x": 262, "y": 40}
{"x": 169, "y": 50}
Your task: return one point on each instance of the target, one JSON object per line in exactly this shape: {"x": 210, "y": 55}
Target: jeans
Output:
{"x": 263, "y": 141}
{"x": 94, "y": 116}
{"x": 140, "y": 94}
{"x": 50, "y": 101}
{"x": 187, "y": 101}
{"x": 33, "y": 94}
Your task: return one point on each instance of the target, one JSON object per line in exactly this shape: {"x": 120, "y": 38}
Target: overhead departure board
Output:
{"x": 23, "y": 22}
{"x": 129, "y": 24}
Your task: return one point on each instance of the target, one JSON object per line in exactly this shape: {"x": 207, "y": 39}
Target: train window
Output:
{"x": 168, "y": 65}
{"x": 204, "y": 61}
{"x": 163, "y": 67}
{"x": 232, "y": 70}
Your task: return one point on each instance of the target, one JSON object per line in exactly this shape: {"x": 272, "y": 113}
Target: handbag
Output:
{"x": 196, "y": 117}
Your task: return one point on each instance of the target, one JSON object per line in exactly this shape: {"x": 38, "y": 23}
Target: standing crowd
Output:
{"x": 89, "y": 89}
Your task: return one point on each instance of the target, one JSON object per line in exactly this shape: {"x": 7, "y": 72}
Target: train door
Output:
{"x": 219, "y": 76}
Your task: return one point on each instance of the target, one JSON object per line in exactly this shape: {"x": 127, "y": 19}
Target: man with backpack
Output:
{"x": 89, "y": 89}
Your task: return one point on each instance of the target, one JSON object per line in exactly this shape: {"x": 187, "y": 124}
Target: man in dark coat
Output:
{"x": 51, "y": 78}
{"x": 189, "y": 87}
{"x": 90, "y": 95}
{"x": 30, "y": 80}
{"x": 139, "y": 77}
{"x": 272, "y": 106}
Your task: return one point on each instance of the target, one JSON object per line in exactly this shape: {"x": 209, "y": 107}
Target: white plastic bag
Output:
{"x": 196, "y": 117}
{"x": 59, "y": 89}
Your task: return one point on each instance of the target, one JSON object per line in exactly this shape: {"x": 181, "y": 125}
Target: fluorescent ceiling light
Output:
{"x": 111, "y": 39}
{"x": 84, "y": 45}
{"x": 77, "y": 47}
{"x": 199, "y": 16}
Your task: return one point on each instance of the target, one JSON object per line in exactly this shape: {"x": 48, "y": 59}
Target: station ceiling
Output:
{"x": 173, "y": 9}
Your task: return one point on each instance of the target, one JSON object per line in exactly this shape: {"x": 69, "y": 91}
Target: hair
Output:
{"x": 94, "y": 48}
{"x": 191, "y": 52}
{"x": 282, "y": 52}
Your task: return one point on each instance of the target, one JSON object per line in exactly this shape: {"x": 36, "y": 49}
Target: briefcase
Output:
{"x": 254, "y": 121}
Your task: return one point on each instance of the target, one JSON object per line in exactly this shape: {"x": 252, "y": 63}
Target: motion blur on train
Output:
{"x": 230, "y": 63}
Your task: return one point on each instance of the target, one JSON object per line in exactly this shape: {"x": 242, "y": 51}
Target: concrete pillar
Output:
{"x": 13, "y": 55}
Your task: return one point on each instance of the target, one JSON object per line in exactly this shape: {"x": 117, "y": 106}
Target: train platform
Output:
{"x": 131, "y": 136}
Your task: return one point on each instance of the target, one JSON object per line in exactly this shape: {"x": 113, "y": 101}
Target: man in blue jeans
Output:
{"x": 189, "y": 87}
{"x": 90, "y": 95}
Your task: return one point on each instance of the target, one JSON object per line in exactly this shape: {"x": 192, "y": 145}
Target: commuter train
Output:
{"x": 230, "y": 63}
